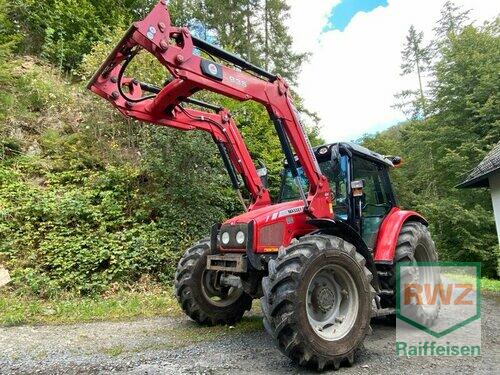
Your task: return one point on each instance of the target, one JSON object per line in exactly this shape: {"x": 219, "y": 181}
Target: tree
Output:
{"x": 416, "y": 59}
{"x": 465, "y": 87}
{"x": 278, "y": 47}
{"x": 452, "y": 21}
{"x": 463, "y": 124}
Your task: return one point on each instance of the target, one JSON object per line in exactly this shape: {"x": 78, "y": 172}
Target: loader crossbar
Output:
{"x": 229, "y": 57}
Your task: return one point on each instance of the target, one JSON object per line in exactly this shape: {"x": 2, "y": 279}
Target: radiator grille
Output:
{"x": 272, "y": 235}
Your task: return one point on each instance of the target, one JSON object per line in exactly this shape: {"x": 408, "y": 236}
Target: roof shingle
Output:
{"x": 478, "y": 177}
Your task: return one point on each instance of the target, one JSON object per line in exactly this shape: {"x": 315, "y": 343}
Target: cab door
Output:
{"x": 377, "y": 199}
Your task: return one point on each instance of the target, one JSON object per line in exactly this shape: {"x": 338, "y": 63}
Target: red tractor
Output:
{"x": 322, "y": 259}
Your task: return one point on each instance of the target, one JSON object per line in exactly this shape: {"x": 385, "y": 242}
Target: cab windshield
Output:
{"x": 337, "y": 180}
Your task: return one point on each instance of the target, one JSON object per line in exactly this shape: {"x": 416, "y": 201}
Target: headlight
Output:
{"x": 240, "y": 237}
{"x": 225, "y": 238}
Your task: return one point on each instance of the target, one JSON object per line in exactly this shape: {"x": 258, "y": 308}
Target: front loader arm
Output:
{"x": 174, "y": 48}
{"x": 220, "y": 125}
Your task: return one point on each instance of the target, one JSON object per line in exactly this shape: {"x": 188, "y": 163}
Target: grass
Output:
{"x": 490, "y": 285}
{"x": 487, "y": 285}
{"x": 114, "y": 351}
{"x": 126, "y": 305}
{"x": 122, "y": 305}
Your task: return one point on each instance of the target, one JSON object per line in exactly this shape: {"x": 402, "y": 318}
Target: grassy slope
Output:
{"x": 89, "y": 199}
{"x": 123, "y": 305}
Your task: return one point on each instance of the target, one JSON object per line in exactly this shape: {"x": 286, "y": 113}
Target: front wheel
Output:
{"x": 201, "y": 296}
{"x": 317, "y": 301}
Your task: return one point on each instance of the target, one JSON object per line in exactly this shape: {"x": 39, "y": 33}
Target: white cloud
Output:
{"x": 352, "y": 75}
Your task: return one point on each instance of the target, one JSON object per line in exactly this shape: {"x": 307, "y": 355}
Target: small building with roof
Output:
{"x": 487, "y": 174}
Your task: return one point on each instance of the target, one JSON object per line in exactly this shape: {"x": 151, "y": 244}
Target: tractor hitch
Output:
{"x": 230, "y": 262}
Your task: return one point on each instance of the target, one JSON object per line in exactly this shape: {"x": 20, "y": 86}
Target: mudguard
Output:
{"x": 388, "y": 233}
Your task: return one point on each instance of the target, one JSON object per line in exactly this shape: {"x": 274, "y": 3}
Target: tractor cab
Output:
{"x": 360, "y": 183}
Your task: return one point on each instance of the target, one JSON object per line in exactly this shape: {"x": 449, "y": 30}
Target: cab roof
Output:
{"x": 323, "y": 151}
{"x": 357, "y": 149}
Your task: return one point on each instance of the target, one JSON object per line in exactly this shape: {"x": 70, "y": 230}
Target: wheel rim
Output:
{"x": 217, "y": 295}
{"x": 332, "y": 302}
{"x": 426, "y": 275}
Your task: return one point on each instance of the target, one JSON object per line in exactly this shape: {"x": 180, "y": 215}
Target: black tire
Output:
{"x": 414, "y": 245}
{"x": 190, "y": 290}
{"x": 285, "y": 313}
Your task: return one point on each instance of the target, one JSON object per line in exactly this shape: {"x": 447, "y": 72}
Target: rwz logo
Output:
{"x": 438, "y": 299}
{"x": 415, "y": 293}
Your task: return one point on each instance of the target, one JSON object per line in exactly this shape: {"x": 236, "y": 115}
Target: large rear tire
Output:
{"x": 198, "y": 294}
{"x": 317, "y": 301}
{"x": 414, "y": 245}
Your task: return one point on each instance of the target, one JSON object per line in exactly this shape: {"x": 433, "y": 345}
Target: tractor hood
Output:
{"x": 266, "y": 228}
{"x": 269, "y": 213}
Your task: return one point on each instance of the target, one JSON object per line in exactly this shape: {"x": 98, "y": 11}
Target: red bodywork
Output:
{"x": 288, "y": 216}
{"x": 388, "y": 233}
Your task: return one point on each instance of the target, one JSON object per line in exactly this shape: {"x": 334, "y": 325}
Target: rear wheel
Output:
{"x": 414, "y": 245}
{"x": 200, "y": 294}
{"x": 317, "y": 301}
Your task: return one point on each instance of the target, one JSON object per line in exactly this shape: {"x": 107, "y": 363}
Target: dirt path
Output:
{"x": 177, "y": 346}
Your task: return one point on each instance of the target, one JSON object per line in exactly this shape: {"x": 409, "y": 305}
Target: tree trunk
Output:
{"x": 249, "y": 32}
{"x": 419, "y": 74}
{"x": 266, "y": 34}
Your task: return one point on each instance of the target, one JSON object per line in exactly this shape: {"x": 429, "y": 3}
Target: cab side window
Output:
{"x": 376, "y": 198}
{"x": 338, "y": 184}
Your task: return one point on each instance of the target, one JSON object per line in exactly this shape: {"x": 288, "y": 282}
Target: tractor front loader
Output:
{"x": 323, "y": 258}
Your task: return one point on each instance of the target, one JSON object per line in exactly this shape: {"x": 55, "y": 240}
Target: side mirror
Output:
{"x": 357, "y": 188}
{"x": 357, "y": 192}
{"x": 262, "y": 173}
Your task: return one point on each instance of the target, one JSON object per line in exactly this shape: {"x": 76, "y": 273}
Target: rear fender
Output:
{"x": 343, "y": 230}
{"x": 388, "y": 233}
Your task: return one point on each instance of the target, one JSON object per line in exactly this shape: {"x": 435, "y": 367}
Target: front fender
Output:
{"x": 388, "y": 233}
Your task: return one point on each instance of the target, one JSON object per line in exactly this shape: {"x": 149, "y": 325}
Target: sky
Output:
{"x": 354, "y": 68}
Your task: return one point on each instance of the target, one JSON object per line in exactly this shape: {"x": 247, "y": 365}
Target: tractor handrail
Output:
{"x": 174, "y": 48}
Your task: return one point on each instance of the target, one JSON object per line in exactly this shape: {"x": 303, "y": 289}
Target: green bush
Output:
{"x": 63, "y": 30}
{"x": 88, "y": 199}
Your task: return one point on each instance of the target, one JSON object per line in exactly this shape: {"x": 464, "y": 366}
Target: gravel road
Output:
{"x": 177, "y": 346}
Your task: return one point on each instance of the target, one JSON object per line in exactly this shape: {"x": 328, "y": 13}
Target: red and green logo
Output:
{"x": 438, "y": 298}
